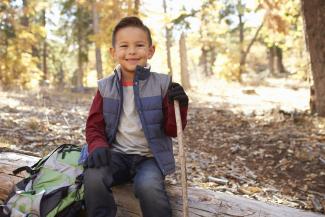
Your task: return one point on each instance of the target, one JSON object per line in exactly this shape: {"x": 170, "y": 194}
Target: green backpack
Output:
{"x": 53, "y": 189}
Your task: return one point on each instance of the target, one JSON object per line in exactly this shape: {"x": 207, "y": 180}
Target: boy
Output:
{"x": 129, "y": 127}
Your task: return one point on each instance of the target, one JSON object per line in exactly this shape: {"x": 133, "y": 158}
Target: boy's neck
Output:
{"x": 128, "y": 76}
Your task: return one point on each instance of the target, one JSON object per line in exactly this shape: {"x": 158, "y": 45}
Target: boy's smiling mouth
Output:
{"x": 131, "y": 60}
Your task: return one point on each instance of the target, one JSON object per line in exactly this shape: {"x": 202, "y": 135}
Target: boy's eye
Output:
{"x": 124, "y": 45}
{"x": 140, "y": 45}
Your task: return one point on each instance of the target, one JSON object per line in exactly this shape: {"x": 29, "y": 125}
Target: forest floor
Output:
{"x": 256, "y": 141}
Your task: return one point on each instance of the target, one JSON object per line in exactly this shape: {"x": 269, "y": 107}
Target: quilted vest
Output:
{"x": 149, "y": 90}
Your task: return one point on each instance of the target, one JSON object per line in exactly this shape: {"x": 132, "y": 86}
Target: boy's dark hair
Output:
{"x": 131, "y": 21}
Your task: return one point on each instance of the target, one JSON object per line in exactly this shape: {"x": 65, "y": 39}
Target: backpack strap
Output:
{"x": 59, "y": 149}
{"x": 32, "y": 215}
{"x": 24, "y": 168}
{"x": 62, "y": 148}
{"x": 79, "y": 180}
{"x": 42, "y": 160}
{"x": 68, "y": 148}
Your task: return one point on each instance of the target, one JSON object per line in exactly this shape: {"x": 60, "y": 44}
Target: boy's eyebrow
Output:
{"x": 121, "y": 42}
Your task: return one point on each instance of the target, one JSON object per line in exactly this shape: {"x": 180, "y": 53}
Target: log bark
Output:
{"x": 202, "y": 203}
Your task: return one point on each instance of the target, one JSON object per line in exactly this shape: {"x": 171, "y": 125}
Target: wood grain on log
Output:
{"x": 202, "y": 203}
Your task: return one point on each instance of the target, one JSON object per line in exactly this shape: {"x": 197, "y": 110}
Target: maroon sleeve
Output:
{"x": 170, "y": 126}
{"x": 95, "y": 126}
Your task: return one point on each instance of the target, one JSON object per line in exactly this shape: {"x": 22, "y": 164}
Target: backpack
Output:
{"x": 53, "y": 189}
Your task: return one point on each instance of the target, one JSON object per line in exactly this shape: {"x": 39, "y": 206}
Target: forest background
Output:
{"x": 65, "y": 43}
{"x": 253, "y": 69}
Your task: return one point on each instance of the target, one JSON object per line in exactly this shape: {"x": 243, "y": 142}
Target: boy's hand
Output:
{"x": 176, "y": 92}
{"x": 98, "y": 158}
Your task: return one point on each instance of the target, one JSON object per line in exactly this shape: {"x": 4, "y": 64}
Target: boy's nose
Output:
{"x": 131, "y": 50}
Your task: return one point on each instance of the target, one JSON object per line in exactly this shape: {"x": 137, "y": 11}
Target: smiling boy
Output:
{"x": 130, "y": 125}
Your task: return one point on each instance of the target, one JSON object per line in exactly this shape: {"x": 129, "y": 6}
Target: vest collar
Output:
{"x": 141, "y": 73}
{"x": 117, "y": 71}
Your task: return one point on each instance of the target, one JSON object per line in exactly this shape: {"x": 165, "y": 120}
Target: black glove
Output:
{"x": 98, "y": 158}
{"x": 176, "y": 92}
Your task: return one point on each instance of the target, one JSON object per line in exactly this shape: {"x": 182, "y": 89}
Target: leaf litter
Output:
{"x": 274, "y": 155}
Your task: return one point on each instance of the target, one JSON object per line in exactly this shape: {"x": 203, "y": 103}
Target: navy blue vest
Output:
{"x": 149, "y": 90}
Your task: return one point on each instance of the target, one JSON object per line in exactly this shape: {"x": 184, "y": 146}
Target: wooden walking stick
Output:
{"x": 182, "y": 157}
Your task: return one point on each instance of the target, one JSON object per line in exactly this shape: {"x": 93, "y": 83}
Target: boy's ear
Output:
{"x": 112, "y": 52}
{"x": 152, "y": 49}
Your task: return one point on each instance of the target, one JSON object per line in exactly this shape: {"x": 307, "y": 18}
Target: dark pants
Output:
{"x": 148, "y": 183}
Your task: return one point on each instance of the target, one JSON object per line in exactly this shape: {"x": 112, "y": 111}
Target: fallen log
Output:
{"x": 202, "y": 203}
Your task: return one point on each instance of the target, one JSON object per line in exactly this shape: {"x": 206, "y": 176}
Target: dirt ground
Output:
{"x": 274, "y": 154}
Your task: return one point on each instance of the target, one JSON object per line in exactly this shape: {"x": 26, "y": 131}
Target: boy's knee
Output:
{"x": 152, "y": 196}
{"x": 149, "y": 187}
{"x": 96, "y": 178}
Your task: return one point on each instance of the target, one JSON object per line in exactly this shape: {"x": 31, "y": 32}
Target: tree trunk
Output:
{"x": 133, "y": 9}
{"x": 130, "y": 8}
{"x": 207, "y": 59}
{"x": 61, "y": 76}
{"x": 168, "y": 32}
{"x": 204, "y": 60}
{"x": 183, "y": 57}
{"x": 271, "y": 60}
{"x": 45, "y": 71}
{"x": 242, "y": 58}
{"x": 25, "y": 18}
{"x": 202, "y": 203}
{"x": 25, "y": 22}
{"x": 312, "y": 100}
{"x": 136, "y": 10}
{"x": 117, "y": 11}
{"x": 280, "y": 66}
{"x": 44, "y": 56}
{"x": 212, "y": 59}
{"x": 80, "y": 41}
{"x": 276, "y": 60}
{"x": 314, "y": 17}
{"x": 79, "y": 71}
{"x": 98, "y": 53}
{"x": 5, "y": 71}
{"x": 246, "y": 52}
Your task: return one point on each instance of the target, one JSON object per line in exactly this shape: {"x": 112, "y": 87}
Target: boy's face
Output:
{"x": 131, "y": 48}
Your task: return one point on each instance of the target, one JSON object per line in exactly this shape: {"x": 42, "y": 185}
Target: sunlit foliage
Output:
{"x": 53, "y": 42}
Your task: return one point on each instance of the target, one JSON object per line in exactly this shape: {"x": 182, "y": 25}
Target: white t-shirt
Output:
{"x": 130, "y": 138}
